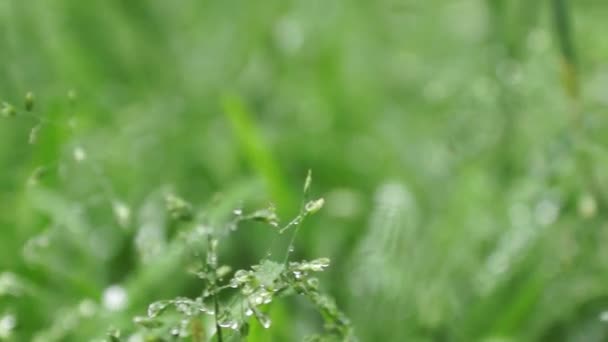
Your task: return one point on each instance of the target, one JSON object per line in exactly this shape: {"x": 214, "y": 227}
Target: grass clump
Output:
{"x": 229, "y": 300}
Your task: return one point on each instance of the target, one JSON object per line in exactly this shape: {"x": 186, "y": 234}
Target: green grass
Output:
{"x": 459, "y": 147}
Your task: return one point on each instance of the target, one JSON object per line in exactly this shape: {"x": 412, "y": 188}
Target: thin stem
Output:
{"x": 291, "y": 223}
{"x": 216, "y": 305}
{"x": 293, "y": 238}
{"x": 212, "y": 266}
{"x": 297, "y": 222}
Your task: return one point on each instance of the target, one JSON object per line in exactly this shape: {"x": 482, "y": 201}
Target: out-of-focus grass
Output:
{"x": 462, "y": 202}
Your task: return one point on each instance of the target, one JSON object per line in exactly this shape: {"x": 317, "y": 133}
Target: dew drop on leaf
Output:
{"x": 263, "y": 319}
{"x": 157, "y": 308}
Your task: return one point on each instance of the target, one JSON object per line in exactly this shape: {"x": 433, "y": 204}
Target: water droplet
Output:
{"x": 314, "y": 205}
{"x": 185, "y": 306}
{"x": 156, "y": 308}
{"x": 242, "y": 276}
{"x": 316, "y": 265}
{"x": 247, "y": 289}
{"x": 228, "y": 323}
{"x": 291, "y": 249}
{"x": 313, "y": 282}
{"x": 319, "y": 264}
{"x": 267, "y": 215}
{"x": 175, "y": 331}
{"x": 114, "y": 298}
{"x": 262, "y": 296}
{"x": 184, "y": 328}
{"x": 263, "y": 319}
{"x": 222, "y": 271}
{"x": 238, "y": 212}
{"x": 146, "y": 322}
{"x": 200, "y": 306}
{"x": 248, "y": 312}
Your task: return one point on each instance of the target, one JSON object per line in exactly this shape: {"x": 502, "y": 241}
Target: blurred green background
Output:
{"x": 459, "y": 146}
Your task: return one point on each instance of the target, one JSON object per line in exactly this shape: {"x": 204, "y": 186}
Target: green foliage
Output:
{"x": 460, "y": 146}
{"x": 255, "y": 288}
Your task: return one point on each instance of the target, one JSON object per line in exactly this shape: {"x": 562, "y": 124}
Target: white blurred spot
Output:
{"x": 9, "y": 284}
{"x": 516, "y": 240}
{"x": 122, "y": 213}
{"x": 114, "y": 298}
{"x": 87, "y": 308}
{"x": 7, "y": 324}
{"x": 79, "y": 154}
{"x": 136, "y": 338}
{"x": 587, "y": 206}
{"x": 288, "y": 35}
{"x": 150, "y": 239}
{"x": 33, "y": 248}
{"x": 604, "y": 316}
{"x": 343, "y": 203}
{"x": 546, "y": 212}
{"x": 393, "y": 223}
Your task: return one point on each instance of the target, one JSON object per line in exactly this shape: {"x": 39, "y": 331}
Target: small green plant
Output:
{"x": 229, "y": 300}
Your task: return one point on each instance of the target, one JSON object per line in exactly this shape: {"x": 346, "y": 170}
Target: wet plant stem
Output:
{"x": 212, "y": 265}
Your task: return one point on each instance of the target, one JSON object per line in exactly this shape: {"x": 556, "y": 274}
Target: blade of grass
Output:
{"x": 255, "y": 149}
{"x": 562, "y": 23}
